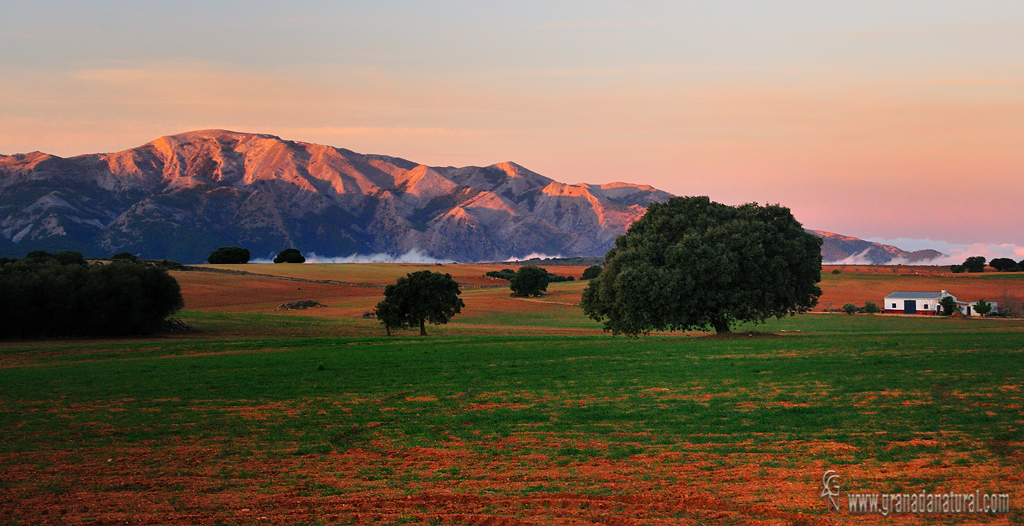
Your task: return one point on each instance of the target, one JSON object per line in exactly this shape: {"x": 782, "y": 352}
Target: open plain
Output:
{"x": 520, "y": 411}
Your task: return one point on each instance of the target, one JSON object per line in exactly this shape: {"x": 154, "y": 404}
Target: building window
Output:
{"x": 925, "y": 306}
{"x": 894, "y": 305}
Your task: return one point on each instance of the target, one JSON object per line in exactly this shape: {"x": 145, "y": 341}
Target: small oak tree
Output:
{"x": 948, "y": 305}
{"x": 975, "y": 264}
{"x": 290, "y": 255}
{"x": 982, "y": 307}
{"x": 530, "y": 280}
{"x": 591, "y": 272}
{"x": 389, "y": 314}
{"x": 228, "y": 256}
{"x": 418, "y": 298}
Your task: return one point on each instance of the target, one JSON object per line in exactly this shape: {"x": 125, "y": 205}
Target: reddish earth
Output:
{"x": 454, "y": 483}
{"x": 233, "y": 293}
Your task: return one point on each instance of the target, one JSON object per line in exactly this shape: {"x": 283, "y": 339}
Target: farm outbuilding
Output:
{"x": 926, "y": 303}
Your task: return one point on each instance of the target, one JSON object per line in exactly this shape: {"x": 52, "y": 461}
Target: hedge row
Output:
{"x": 46, "y": 296}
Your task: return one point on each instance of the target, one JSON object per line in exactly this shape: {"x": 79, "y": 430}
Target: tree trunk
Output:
{"x": 423, "y": 328}
{"x": 721, "y": 325}
{"x": 387, "y": 328}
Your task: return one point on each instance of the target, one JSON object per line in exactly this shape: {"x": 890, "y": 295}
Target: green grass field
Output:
{"x": 474, "y": 426}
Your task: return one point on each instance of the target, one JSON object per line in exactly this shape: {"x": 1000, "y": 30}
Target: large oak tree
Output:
{"x": 693, "y": 264}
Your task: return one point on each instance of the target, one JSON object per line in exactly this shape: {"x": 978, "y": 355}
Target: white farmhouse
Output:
{"x": 927, "y": 303}
{"x": 914, "y": 302}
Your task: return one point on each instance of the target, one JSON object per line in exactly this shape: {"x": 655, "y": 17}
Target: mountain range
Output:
{"x": 181, "y": 196}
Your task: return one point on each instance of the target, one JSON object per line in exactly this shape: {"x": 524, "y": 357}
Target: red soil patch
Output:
{"x": 234, "y": 293}
{"x": 454, "y": 483}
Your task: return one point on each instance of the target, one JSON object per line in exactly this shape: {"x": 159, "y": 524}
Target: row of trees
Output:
{"x": 977, "y": 264}
{"x": 239, "y": 255}
{"x": 531, "y": 280}
{"x": 47, "y": 295}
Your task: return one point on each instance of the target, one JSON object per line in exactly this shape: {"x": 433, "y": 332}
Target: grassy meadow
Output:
{"x": 517, "y": 412}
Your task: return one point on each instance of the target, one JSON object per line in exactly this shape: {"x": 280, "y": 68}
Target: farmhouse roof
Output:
{"x": 912, "y": 295}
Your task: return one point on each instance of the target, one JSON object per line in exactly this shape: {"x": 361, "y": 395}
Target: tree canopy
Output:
{"x": 1004, "y": 265}
{"x": 691, "y": 263}
{"x": 228, "y": 256}
{"x": 418, "y": 298}
{"x": 591, "y": 272}
{"x": 61, "y": 295}
{"x": 975, "y": 264}
{"x": 290, "y": 255}
{"x": 530, "y": 280}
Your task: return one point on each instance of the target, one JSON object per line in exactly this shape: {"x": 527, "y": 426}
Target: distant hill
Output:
{"x": 838, "y": 248}
{"x": 181, "y": 196}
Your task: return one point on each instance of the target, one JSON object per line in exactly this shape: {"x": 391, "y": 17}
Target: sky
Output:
{"x": 875, "y": 119}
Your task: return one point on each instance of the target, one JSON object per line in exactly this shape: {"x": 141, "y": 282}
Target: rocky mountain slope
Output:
{"x": 851, "y": 250}
{"x": 181, "y": 196}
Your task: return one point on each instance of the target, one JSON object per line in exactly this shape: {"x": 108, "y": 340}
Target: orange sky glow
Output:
{"x": 872, "y": 120}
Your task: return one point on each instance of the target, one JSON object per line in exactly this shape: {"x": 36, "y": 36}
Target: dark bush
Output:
{"x": 850, "y": 308}
{"x": 505, "y": 274}
{"x": 39, "y": 254}
{"x": 1004, "y": 265}
{"x": 555, "y": 278}
{"x": 871, "y": 307}
{"x": 228, "y": 256}
{"x": 124, "y": 256}
{"x": 290, "y": 255}
{"x": 70, "y": 257}
{"x": 591, "y": 272}
{"x": 40, "y": 297}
